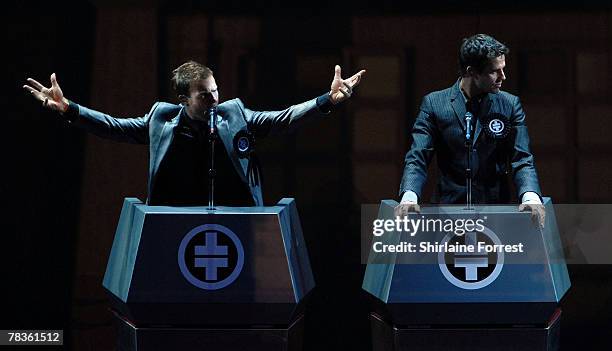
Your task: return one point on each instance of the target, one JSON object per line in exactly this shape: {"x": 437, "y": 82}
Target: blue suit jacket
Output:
{"x": 440, "y": 128}
{"x": 156, "y": 128}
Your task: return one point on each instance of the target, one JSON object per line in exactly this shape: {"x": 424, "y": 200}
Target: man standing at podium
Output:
{"x": 178, "y": 135}
{"x": 500, "y": 143}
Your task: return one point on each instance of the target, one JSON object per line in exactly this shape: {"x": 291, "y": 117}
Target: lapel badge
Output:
{"x": 244, "y": 143}
{"x": 496, "y": 126}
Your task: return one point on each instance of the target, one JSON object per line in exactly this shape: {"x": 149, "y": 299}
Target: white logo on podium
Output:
{"x": 472, "y": 270}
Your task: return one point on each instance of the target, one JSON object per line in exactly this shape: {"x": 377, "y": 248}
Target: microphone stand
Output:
{"x": 212, "y": 137}
{"x": 468, "y": 169}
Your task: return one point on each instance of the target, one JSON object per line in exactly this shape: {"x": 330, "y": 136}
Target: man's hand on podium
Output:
{"x": 404, "y": 208}
{"x": 538, "y": 213}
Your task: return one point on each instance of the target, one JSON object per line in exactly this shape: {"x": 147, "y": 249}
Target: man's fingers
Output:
{"x": 29, "y": 89}
{"x": 398, "y": 211}
{"x": 405, "y": 208}
{"x": 35, "y": 93}
{"x": 346, "y": 93}
{"x": 349, "y": 88}
{"x": 53, "y": 80}
{"x": 542, "y": 216}
{"x": 337, "y": 72}
{"x": 36, "y": 84}
{"x": 356, "y": 78}
{"x": 402, "y": 210}
{"x": 538, "y": 214}
{"x": 537, "y": 218}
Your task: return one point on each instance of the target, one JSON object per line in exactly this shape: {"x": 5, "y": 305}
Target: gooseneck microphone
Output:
{"x": 468, "y": 126}
{"x": 212, "y": 137}
{"x": 468, "y": 168}
{"x": 212, "y": 125}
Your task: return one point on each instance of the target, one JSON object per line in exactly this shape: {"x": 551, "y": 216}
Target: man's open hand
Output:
{"x": 52, "y": 98}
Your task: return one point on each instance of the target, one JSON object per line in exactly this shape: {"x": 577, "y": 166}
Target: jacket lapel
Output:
{"x": 226, "y": 135}
{"x": 458, "y": 104}
{"x": 164, "y": 139}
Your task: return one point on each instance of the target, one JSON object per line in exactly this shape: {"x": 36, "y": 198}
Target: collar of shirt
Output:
{"x": 195, "y": 127}
{"x": 466, "y": 99}
{"x": 470, "y": 104}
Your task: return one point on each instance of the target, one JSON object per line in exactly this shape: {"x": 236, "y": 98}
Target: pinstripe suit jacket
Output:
{"x": 440, "y": 128}
{"x": 156, "y": 128}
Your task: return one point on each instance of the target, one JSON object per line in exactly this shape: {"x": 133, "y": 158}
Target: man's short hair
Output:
{"x": 186, "y": 73}
{"x": 477, "y": 50}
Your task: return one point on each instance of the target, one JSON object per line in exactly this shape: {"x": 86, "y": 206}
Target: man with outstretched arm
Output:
{"x": 178, "y": 140}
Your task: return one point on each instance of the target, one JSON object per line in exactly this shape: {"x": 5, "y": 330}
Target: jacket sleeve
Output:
{"x": 421, "y": 152}
{"x": 264, "y": 123}
{"x": 130, "y": 130}
{"x": 521, "y": 158}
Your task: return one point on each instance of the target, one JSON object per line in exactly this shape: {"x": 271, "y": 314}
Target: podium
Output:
{"x": 436, "y": 298}
{"x": 190, "y": 278}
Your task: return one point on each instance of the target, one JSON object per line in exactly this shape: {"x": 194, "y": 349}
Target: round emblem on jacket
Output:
{"x": 497, "y": 126}
{"x": 243, "y": 143}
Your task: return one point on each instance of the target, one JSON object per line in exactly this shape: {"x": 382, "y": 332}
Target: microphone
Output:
{"x": 468, "y": 126}
{"x": 212, "y": 136}
{"x": 212, "y": 122}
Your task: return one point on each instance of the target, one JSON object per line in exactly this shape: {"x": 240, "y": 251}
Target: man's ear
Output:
{"x": 183, "y": 100}
{"x": 469, "y": 71}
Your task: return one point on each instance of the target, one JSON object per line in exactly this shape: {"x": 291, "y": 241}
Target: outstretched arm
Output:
{"x": 132, "y": 130}
{"x": 274, "y": 122}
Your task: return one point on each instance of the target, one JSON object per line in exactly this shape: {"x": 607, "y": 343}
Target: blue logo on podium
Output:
{"x": 211, "y": 256}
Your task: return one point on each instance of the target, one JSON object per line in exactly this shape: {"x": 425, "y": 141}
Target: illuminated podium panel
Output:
{"x": 199, "y": 274}
{"x": 435, "y": 288}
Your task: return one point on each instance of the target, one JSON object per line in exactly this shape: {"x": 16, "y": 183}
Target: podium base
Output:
{"x": 134, "y": 338}
{"x": 387, "y": 337}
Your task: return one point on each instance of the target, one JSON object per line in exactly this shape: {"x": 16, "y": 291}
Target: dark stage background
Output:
{"x": 62, "y": 190}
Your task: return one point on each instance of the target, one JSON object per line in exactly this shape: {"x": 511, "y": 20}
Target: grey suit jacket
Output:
{"x": 156, "y": 128}
{"x": 440, "y": 128}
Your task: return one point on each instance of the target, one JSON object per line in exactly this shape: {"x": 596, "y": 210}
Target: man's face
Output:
{"x": 491, "y": 78}
{"x": 203, "y": 94}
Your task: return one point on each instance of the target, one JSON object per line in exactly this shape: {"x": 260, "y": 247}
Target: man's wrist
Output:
{"x": 324, "y": 103}
{"x": 71, "y": 113}
{"x": 64, "y": 105}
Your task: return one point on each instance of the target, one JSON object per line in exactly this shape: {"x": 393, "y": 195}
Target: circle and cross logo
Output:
{"x": 211, "y": 256}
{"x": 473, "y": 270}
